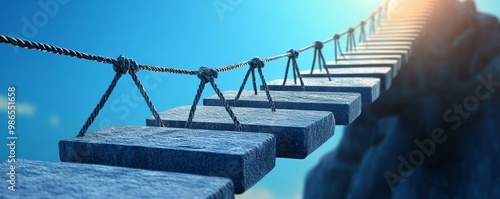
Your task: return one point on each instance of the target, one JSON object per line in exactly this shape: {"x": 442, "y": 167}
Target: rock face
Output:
{"x": 436, "y": 132}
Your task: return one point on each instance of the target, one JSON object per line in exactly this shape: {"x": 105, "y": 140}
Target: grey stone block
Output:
{"x": 387, "y": 43}
{"x": 383, "y": 73}
{"x": 242, "y": 157}
{"x": 372, "y": 57}
{"x": 403, "y": 54}
{"x": 345, "y": 106}
{"x": 369, "y": 88}
{"x": 36, "y": 179}
{"x": 376, "y": 48}
{"x": 298, "y": 133}
{"x": 394, "y": 65}
{"x": 408, "y": 23}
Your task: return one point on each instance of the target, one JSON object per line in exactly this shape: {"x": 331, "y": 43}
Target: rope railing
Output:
{"x": 123, "y": 65}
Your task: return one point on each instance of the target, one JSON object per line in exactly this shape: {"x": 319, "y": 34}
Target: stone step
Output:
{"x": 369, "y": 88}
{"x": 409, "y": 23}
{"x": 345, "y": 106}
{"x": 371, "y": 57}
{"x": 407, "y": 35}
{"x": 406, "y": 19}
{"x": 37, "y": 179}
{"x": 298, "y": 133}
{"x": 406, "y": 27}
{"x": 245, "y": 158}
{"x": 393, "y": 65}
{"x": 391, "y": 39}
{"x": 376, "y": 48}
{"x": 388, "y": 43}
{"x": 403, "y": 54}
{"x": 383, "y": 73}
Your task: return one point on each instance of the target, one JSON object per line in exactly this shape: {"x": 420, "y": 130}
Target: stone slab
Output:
{"x": 37, "y": 179}
{"x": 375, "y": 48}
{"x": 387, "y": 43}
{"x": 371, "y": 57}
{"x": 393, "y": 64}
{"x": 298, "y": 133}
{"x": 369, "y": 88}
{"x": 406, "y": 35}
{"x": 383, "y": 73}
{"x": 400, "y": 31}
{"x": 409, "y": 23}
{"x": 403, "y": 54}
{"x": 345, "y": 106}
{"x": 242, "y": 157}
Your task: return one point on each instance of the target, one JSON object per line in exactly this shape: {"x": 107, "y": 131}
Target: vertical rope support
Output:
{"x": 201, "y": 87}
{"x": 254, "y": 82}
{"x": 208, "y": 75}
{"x": 362, "y": 33}
{"x": 237, "y": 124}
{"x": 292, "y": 59}
{"x": 351, "y": 40}
{"x": 133, "y": 68}
{"x": 101, "y": 103}
{"x": 336, "y": 39}
{"x": 372, "y": 24}
{"x": 318, "y": 45}
{"x": 242, "y": 86}
{"x": 254, "y": 63}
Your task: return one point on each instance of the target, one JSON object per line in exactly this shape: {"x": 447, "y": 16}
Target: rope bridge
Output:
{"x": 218, "y": 154}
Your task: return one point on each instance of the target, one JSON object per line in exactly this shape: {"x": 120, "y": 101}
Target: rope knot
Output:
{"x": 125, "y": 65}
{"x": 293, "y": 54}
{"x": 362, "y": 23}
{"x": 318, "y": 45}
{"x": 351, "y": 30}
{"x": 336, "y": 37}
{"x": 256, "y": 62}
{"x": 207, "y": 74}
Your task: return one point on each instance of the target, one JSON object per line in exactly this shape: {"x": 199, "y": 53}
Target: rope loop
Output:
{"x": 207, "y": 74}
{"x": 256, "y": 62}
{"x": 318, "y": 45}
{"x": 293, "y": 54}
{"x": 125, "y": 65}
{"x": 336, "y": 37}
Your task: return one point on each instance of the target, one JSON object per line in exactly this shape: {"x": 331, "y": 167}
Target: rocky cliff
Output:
{"x": 436, "y": 132}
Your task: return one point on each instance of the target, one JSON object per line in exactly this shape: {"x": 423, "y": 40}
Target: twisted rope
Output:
{"x": 256, "y": 63}
{"x": 100, "y": 105}
{"x": 321, "y": 59}
{"x": 362, "y": 33}
{"x": 293, "y": 59}
{"x": 208, "y": 75}
{"x": 351, "y": 40}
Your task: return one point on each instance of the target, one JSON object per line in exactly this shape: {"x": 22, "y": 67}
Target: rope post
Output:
{"x": 362, "y": 32}
{"x": 121, "y": 66}
{"x": 208, "y": 75}
{"x": 337, "y": 47}
{"x": 351, "y": 40}
{"x": 256, "y": 63}
{"x": 318, "y": 45}
{"x": 292, "y": 58}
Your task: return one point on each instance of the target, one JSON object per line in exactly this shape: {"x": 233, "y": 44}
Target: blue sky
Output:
{"x": 55, "y": 94}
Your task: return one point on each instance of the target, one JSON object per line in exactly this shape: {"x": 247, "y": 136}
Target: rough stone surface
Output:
{"x": 403, "y": 48}
{"x": 242, "y": 157}
{"x": 403, "y": 54}
{"x": 369, "y": 88}
{"x": 387, "y": 43}
{"x": 392, "y": 64}
{"x": 345, "y": 106}
{"x": 298, "y": 133}
{"x": 443, "y": 106}
{"x": 36, "y": 179}
{"x": 372, "y": 57}
{"x": 383, "y": 73}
